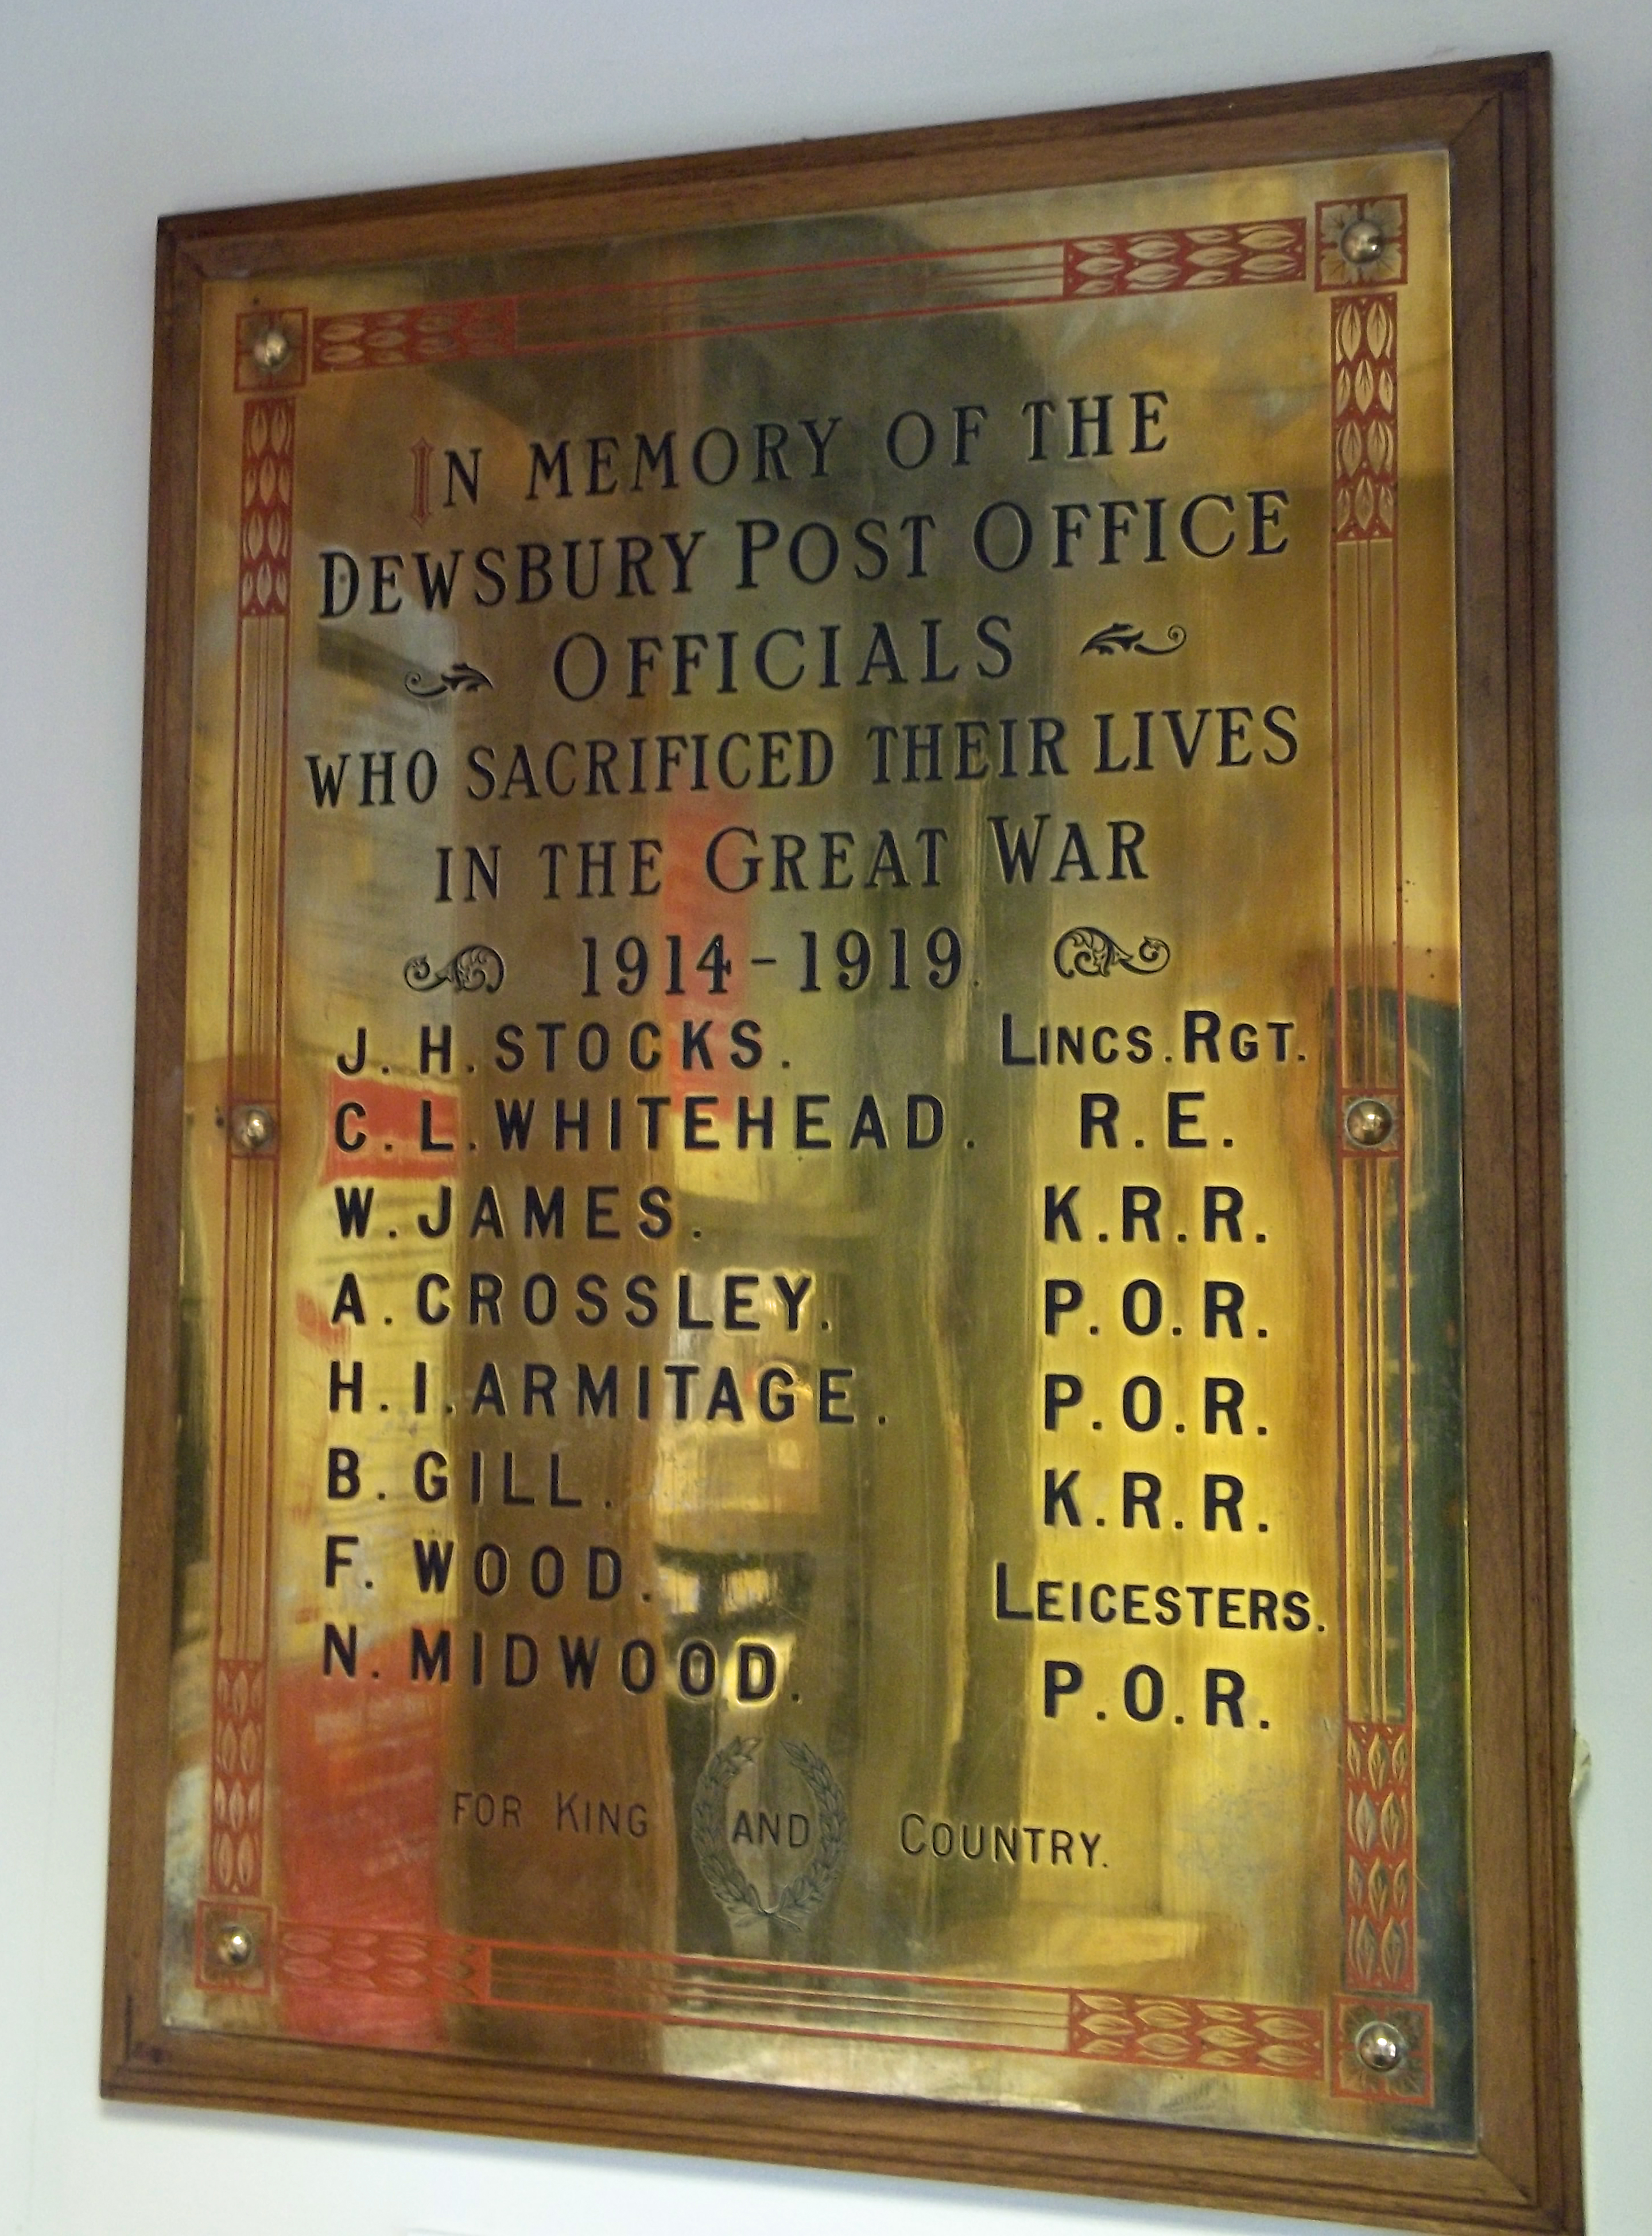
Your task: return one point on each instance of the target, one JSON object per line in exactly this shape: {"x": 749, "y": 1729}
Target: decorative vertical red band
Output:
{"x": 267, "y": 509}
{"x": 1364, "y": 452}
{"x": 1380, "y": 1849}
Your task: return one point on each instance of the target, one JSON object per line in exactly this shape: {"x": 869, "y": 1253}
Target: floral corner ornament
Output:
{"x": 1361, "y": 244}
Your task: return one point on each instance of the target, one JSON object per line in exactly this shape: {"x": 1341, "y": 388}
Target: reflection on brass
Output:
{"x": 1380, "y": 2046}
{"x": 251, "y": 1128}
{"x": 236, "y": 1947}
{"x": 807, "y": 1455}
{"x": 271, "y": 349}
{"x": 1362, "y": 241}
{"x": 1369, "y": 1123}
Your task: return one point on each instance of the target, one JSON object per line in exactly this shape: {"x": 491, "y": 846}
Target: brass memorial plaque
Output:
{"x": 819, "y": 1170}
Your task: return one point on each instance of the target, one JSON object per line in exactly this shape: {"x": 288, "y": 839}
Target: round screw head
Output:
{"x": 251, "y": 1127}
{"x": 1369, "y": 1123}
{"x": 1380, "y": 2046}
{"x": 236, "y": 1948}
{"x": 1362, "y": 242}
{"x": 272, "y": 349}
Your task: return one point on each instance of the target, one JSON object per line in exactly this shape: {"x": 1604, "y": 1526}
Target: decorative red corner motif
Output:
{"x": 445, "y": 1968}
{"x": 1411, "y": 2024}
{"x": 1185, "y": 2034}
{"x": 255, "y": 372}
{"x": 1177, "y": 261}
{"x": 1334, "y": 268}
{"x": 428, "y": 333}
{"x": 233, "y": 1948}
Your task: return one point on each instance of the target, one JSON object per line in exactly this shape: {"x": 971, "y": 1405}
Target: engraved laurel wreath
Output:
{"x": 1087, "y": 951}
{"x": 475, "y": 969}
{"x": 799, "y": 1895}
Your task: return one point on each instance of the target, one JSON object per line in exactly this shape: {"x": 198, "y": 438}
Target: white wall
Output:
{"x": 112, "y": 114}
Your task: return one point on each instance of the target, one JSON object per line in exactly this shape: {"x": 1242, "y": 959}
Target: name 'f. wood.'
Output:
{"x": 843, "y": 1321}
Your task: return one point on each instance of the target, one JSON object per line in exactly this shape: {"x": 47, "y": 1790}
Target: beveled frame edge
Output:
{"x": 1524, "y": 1908}
{"x": 143, "y": 1636}
{"x": 1493, "y": 117}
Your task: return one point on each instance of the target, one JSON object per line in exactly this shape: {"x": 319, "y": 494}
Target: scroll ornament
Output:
{"x": 1124, "y": 636}
{"x": 1087, "y": 951}
{"x": 460, "y": 677}
{"x": 475, "y": 970}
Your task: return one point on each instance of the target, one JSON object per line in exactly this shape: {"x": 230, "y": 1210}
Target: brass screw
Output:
{"x": 251, "y": 1127}
{"x": 1369, "y": 1123}
{"x": 1380, "y": 2046}
{"x": 236, "y": 1948}
{"x": 1362, "y": 242}
{"x": 272, "y": 349}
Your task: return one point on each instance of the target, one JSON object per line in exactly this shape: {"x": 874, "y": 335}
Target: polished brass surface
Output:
{"x": 251, "y": 1128}
{"x": 826, "y": 1445}
{"x": 272, "y": 349}
{"x": 1369, "y": 1123}
{"x": 1380, "y": 2046}
{"x": 1362, "y": 241}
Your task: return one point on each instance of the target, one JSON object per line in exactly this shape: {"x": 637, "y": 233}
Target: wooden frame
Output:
{"x": 1493, "y": 116}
